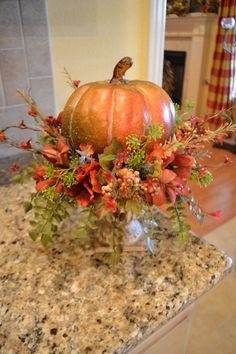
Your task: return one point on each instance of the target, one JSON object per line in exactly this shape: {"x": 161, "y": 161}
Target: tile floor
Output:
{"x": 214, "y": 322}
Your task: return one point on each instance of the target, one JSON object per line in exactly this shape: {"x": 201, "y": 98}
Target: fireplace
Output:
{"x": 173, "y": 75}
{"x": 189, "y": 46}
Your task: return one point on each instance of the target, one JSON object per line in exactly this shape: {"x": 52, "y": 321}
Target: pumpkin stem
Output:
{"x": 120, "y": 69}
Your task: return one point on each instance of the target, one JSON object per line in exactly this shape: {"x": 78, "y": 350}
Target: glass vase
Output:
{"x": 132, "y": 234}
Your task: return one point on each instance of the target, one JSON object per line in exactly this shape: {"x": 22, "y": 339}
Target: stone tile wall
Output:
{"x": 25, "y": 63}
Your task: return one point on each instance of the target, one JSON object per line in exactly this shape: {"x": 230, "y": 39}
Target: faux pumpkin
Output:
{"x": 99, "y": 111}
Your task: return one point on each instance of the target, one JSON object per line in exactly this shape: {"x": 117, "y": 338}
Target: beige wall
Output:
{"x": 206, "y": 67}
{"x": 88, "y": 37}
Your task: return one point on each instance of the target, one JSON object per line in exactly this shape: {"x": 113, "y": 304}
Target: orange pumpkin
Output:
{"x": 99, "y": 111}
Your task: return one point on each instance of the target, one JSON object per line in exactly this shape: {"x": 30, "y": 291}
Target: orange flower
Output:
{"x": 2, "y": 136}
{"x": 25, "y": 145}
{"x": 45, "y": 183}
{"x": 156, "y": 153}
{"x": 110, "y": 204}
{"x": 182, "y": 164}
{"x": 39, "y": 173}
{"x": 15, "y": 167}
{"x": 158, "y": 191}
{"x": 58, "y": 154}
{"x": 87, "y": 184}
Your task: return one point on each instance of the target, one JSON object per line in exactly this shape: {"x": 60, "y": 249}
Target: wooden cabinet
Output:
{"x": 171, "y": 338}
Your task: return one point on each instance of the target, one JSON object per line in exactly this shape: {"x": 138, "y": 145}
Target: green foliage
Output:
{"x": 68, "y": 177}
{"x": 136, "y": 160}
{"x": 180, "y": 117}
{"x": 89, "y": 227}
{"x": 155, "y": 131}
{"x": 74, "y": 161}
{"x": 157, "y": 169}
{"x": 133, "y": 206}
{"x": 43, "y": 139}
{"x": 27, "y": 206}
{"x": 137, "y": 153}
{"x": 49, "y": 193}
{"x": 118, "y": 229}
{"x": 202, "y": 179}
{"x": 180, "y": 225}
{"x": 189, "y": 106}
{"x": 87, "y": 223}
{"x": 107, "y": 157}
{"x": 109, "y": 154}
{"x": 24, "y": 175}
{"x": 114, "y": 258}
{"x": 49, "y": 171}
{"x": 133, "y": 142}
{"x": 49, "y": 210}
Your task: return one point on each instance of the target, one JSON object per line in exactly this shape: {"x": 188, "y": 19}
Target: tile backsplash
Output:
{"x": 25, "y": 63}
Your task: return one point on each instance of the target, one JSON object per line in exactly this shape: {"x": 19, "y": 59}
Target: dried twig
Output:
{"x": 22, "y": 128}
{"x": 31, "y": 103}
{"x": 69, "y": 81}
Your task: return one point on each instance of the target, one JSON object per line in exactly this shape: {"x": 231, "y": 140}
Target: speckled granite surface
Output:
{"x": 63, "y": 300}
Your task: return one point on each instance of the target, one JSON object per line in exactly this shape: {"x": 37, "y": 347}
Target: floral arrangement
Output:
{"x": 130, "y": 178}
{"x": 178, "y": 7}
{"x": 183, "y": 7}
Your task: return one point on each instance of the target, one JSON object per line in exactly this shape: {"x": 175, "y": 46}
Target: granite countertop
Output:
{"x": 65, "y": 300}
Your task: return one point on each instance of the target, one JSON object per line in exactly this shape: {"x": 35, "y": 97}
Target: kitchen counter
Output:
{"x": 68, "y": 300}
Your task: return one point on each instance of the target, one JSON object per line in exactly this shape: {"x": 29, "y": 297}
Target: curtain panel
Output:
{"x": 222, "y": 87}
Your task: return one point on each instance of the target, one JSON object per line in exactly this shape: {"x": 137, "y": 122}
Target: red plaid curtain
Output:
{"x": 222, "y": 85}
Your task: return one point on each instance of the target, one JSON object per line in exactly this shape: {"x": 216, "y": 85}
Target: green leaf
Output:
{"x": 105, "y": 160}
{"x": 45, "y": 239}
{"x": 109, "y": 151}
{"x": 189, "y": 105}
{"x": 134, "y": 206}
{"x": 170, "y": 208}
{"x": 49, "y": 172}
{"x": 54, "y": 228}
{"x": 81, "y": 233}
{"x": 133, "y": 141}
{"x": 33, "y": 234}
{"x": 114, "y": 258}
{"x": 57, "y": 218}
{"x": 113, "y": 147}
{"x": 155, "y": 131}
{"x": 176, "y": 228}
{"x": 91, "y": 225}
{"x": 27, "y": 206}
{"x": 109, "y": 157}
{"x": 182, "y": 238}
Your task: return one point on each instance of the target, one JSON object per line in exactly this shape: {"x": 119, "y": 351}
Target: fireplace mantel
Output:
{"x": 194, "y": 34}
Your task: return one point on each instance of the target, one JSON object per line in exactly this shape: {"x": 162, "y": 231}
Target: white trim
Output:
{"x": 41, "y": 77}
{"x": 156, "y": 40}
{"x": 14, "y": 48}
{"x": 49, "y": 29}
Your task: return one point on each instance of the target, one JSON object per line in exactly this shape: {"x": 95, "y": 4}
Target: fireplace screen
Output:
{"x": 173, "y": 74}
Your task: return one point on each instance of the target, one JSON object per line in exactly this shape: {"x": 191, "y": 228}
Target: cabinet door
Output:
{"x": 170, "y": 339}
